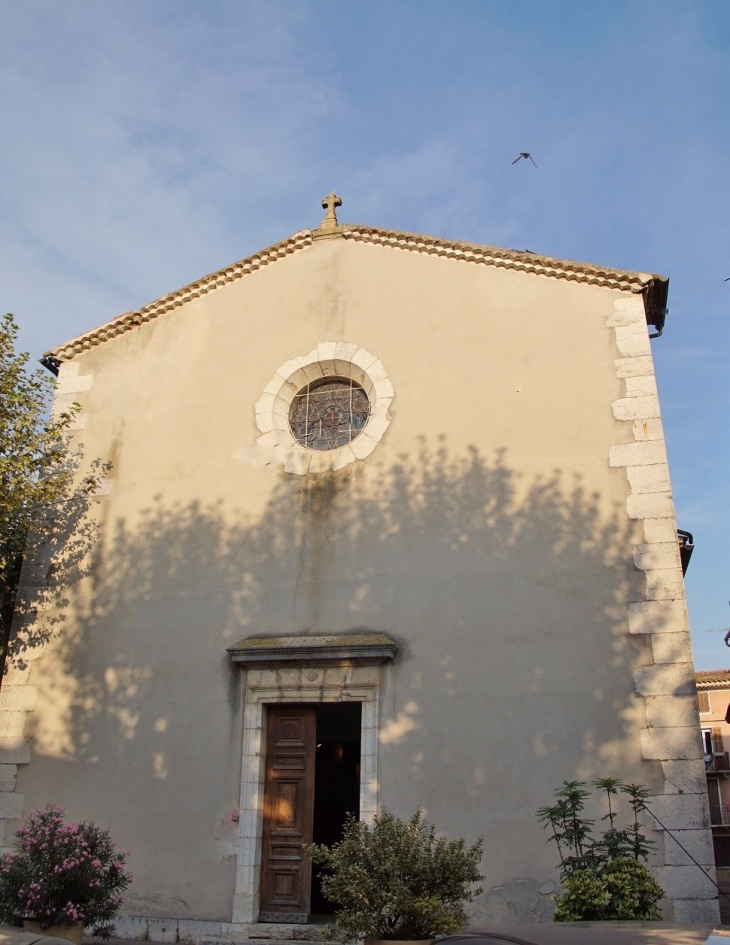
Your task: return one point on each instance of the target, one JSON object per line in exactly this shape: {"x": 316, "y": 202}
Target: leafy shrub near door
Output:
{"x": 602, "y": 876}
{"x": 397, "y": 880}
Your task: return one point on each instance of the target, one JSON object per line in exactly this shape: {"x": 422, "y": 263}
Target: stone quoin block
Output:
{"x": 634, "y": 367}
{"x": 686, "y": 881}
{"x": 14, "y": 751}
{"x": 637, "y": 454}
{"x": 665, "y": 681}
{"x": 671, "y": 711}
{"x": 643, "y": 386}
{"x": 659, "y": 530}
{"x": 671, "y": 744}
{"x": 657, "y": 556}
{"x": 17, "y": 697}
{"x": 11, "y": 806}
{"x": 667, "y": 584}
{"x": 658, "y": 616}
{"x": 636, "y": 408}
{"x": 697, "y": 842}
{"x": 651, "y": 505}
{"x": 685, "y": 777}
{"x": 697, "y": 911}
{"x": 632, "y": 344}
{"x": 648, "y": 429}
{"x": 671, "y": 648}
{"x": 654, "y": 478}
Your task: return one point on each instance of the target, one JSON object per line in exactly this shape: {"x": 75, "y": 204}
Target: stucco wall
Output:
{"x": 488, "y": 533}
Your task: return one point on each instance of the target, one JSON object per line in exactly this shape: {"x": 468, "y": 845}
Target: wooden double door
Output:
{"x": 311, "y": 784}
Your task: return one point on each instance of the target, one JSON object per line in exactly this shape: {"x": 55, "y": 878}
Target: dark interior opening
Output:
{"x": 336, "y": 783}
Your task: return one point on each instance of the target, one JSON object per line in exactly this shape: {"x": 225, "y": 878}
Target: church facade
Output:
{"x": 388, "y": 522}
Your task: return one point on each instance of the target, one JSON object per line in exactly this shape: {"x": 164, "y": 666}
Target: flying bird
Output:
{"x": 525, "y": 155}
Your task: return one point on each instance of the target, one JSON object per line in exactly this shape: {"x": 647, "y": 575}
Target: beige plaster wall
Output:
{"x": 487, "y": 533}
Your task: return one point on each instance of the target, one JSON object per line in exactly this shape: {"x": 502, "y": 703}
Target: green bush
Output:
{"x": 397, "y": 880}
{"x": 602, "y": 877}
{"x": 622, "y": 889}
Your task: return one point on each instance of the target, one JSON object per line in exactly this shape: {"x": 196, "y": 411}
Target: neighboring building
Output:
{"x": 389, "y": 522}
{"x": 713, "y": 691}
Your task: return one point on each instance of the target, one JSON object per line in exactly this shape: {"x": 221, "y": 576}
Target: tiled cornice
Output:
{"x": 522, "y": 261}
{"x": 130, "y": 320}
{"x": 652, "y": 287}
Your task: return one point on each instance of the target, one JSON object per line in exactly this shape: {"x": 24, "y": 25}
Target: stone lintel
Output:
{"x": 356, "y": 647}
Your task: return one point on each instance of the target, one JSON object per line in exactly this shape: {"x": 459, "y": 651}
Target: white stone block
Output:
{"x": 659, "y": 530}
{"x": 361, "y": 447}
{"x": 162, "y": 930}
{"x": 15, "y": 676}
{"x": 671, "y": 648}
{"x": 632, "y": 343}
{"x": 363, "y": 359}
{"x": 636, "y": 408}
{"x": 11, "y": 806}
{"x": 79, "y": 422}
{"x": 12, "y": 724}
{"x": 686, "y": 881}
{"x": 671, "y": 744}
{"x": 326, "y": 350}
{"x": 684, "y": 777}
{"x": 671, "y": 711}
{"x": 666, "y": 681}
{"x": 653, "y": 478}
{"x": 633, "y": 304}
{"x": 14, "y": 751}
{"x": 634, "y": 367}
{"x": 648, "y": 430}
{"x": 310, "y": 371}
{"x": 268, "y": 440}
{"x": 644, "y": 386}
{"x": 69, "y": 369}
{"x": 383, "y": 388}
{"x": 697, "y": 911}
{"x": 376, "y": 372}
{"x": 657, "y": 556}
{"x": 376, "y": 427}
{"x": 666, "y": 584}
{"x": 8, "y": 774}
{"x": 344, "y": 350}
{"x": 651, "y": 505}
{"x": 190, "y": 930}
{"x": 298, "y": 463}
{"x": 17, "y": 697}
{"x": 72, "y": 385}
{"x": 697, "y": 842}
{"x": 637, "y": 454}
{"x": 130, "y": 928}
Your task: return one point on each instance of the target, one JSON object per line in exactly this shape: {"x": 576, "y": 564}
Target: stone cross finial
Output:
{"x": 330, "y": 202}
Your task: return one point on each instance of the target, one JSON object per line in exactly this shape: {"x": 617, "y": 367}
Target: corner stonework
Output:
{"x": 667, "y": 685}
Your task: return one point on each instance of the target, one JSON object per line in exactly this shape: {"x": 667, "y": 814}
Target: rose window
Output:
{"x": 329, "y": 413}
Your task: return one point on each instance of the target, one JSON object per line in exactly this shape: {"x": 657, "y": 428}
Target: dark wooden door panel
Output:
{"x": 288, "y": 805}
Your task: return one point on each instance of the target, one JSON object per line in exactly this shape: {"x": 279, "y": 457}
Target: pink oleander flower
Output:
{"x": 62, "y": 873}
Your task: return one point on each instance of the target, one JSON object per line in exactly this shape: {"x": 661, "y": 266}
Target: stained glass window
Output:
{"x": 329, "y": 413}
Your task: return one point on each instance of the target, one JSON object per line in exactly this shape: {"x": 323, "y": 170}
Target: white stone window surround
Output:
{"x": 327, "y": 359}
{"x": 275, "y": 686}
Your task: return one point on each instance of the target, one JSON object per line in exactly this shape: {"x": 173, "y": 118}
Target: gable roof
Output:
{"x": 652, "y": 287}
{"x": 713, "y": 679}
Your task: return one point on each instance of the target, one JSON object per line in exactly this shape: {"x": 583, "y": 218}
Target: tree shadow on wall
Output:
{"x": 507, "y": 598}
{"x": 445, "y": 552}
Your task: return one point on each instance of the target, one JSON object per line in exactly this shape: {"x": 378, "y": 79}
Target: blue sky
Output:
{"x": 146, "y": 144}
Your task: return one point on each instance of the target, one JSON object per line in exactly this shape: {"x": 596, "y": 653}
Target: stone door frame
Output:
{"x": 347, "y": 681}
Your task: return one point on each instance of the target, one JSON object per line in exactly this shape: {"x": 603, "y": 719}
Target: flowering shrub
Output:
{"x": 60, "y": 874}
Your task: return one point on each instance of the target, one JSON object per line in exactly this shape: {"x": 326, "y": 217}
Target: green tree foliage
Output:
{"x": 602, "y": 876}
{"x": 44, "y": 535}
{"x": 397, "y": 880}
